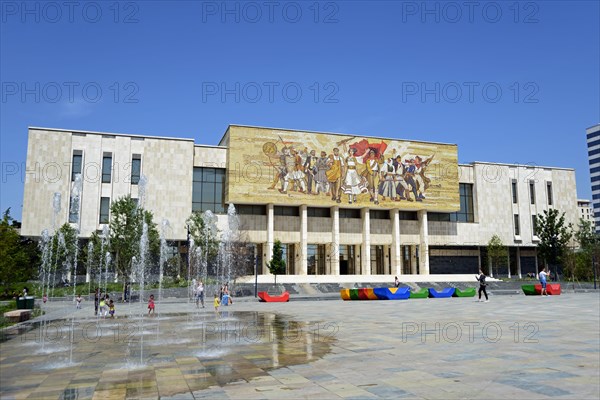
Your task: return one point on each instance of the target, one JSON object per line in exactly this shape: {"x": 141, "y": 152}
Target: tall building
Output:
{"x": 593, "y": 144}
{"x": 340, "y": 204}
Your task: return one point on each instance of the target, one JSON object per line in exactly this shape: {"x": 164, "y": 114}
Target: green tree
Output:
{"x": 586, "y": 235}
{"x": 497, "y": 252}
{"x": 554, "y": 236}
{"x": 588, "y": 255}
{"x": 203, "y": 229}
{"x": 277, "y": 264}
{"x": 18, "y": 257}
{"x": 126, "y": 228}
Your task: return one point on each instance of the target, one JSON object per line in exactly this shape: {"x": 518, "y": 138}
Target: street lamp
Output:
{"x": 255, "y": 276}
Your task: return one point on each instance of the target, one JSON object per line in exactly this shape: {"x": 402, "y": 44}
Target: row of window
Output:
{"x": 518, "y": 226}
{"x": 107, "y": 165}
{"x": 515, "y": 196}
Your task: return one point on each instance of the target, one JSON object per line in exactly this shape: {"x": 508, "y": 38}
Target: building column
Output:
{"x": 366, "y": 242}
{"x": 270, "y": 239}
{"x": 413, "y": 263}
{"x": 335, "y": 241}
{"x": 508, "y": 260}
{"x": 396, "y": 260}
{"x": 303, "y": 270}
{"x": 424, "y": 244}
{"x": 386, "y": 260}
{"x": 519, "y": 262}
{"x": 491, "y": 267}
{"x": 357, "y": 257}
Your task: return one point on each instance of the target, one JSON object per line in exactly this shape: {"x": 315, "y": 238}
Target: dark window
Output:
{"x": 517, "y": 227}
{"x": 77, "y": 160}
{"x": 408, "y": 215}
{"x": 466, "y": 212}
{"x": 593, "y": 143}
{"x": 104, "y": 210}
{"x": 379, "y": 214}
{"x": 106, "y": 168}
{"x": 549, "y": 190}
{"x": 245, "y": 209}
{"x": 208, "y": 190}
{"x": 444, "y": 217}
{"x": 286, "y": 211}
{"x": 318, "y": 212}
{"x": 532, "y": 191}
{"x": 514, "y": 191}
{"x": 595, "y": 169}
{"x": 593, "y": 152}
{"x": 534, "y": 224}
{"x": 136, "y": 169}
{"x": 349, "y": 213}
{"x": 135, "y": 201}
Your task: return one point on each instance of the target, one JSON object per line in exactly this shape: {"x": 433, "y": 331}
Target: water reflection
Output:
{"x": 191, "y": 352}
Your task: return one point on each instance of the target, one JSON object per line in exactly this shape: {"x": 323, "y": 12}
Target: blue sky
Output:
{"x": 513, "y": 82}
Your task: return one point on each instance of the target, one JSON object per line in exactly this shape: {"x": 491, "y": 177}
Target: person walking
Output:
{"x": 482, "y": 284}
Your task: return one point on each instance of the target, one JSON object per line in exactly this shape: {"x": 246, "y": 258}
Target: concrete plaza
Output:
{"x": 512, "y": 347}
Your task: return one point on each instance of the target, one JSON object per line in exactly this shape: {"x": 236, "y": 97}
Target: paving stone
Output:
{"x": 512, "y": 347}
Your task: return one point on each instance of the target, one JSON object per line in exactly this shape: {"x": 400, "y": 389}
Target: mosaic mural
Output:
{"x": 318, "y": 169}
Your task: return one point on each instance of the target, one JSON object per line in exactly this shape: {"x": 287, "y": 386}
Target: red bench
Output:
{"x": 264, "y": 296}
{"x": 551, "y": 288}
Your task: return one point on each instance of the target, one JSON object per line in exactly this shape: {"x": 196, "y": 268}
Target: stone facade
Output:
{"x": 403, "y": 241}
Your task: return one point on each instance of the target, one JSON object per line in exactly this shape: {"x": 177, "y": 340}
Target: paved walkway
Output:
{"x": 512, "y": 347}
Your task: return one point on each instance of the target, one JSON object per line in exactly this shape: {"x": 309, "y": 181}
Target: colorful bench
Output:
{"x": 529, "y": 290}
{"x": 421, "y": 294}
{"x": 375, "y": 293}
{"x": 264, "y": 296}
{"x": 551, "y": 288}
{"x": 401, "y": 293}
{"x": 469, "y": 292}
{"x": 447, "y": 292}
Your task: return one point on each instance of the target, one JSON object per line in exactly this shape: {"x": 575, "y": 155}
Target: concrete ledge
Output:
{"x": 361, "y": 278}
{"x": 18, "y": 315}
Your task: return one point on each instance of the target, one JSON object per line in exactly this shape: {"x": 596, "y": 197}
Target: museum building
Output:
{"x": 340, "y": 204}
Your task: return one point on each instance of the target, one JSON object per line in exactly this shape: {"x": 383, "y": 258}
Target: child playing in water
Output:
{"x": 151, "y": 305}
{"x": 111, "y": 309}
{"x": 217, "y": 302}
{"x": 102, "y": 306}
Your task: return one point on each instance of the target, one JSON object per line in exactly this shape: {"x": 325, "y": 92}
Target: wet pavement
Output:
{"x": 514, "y": 346}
